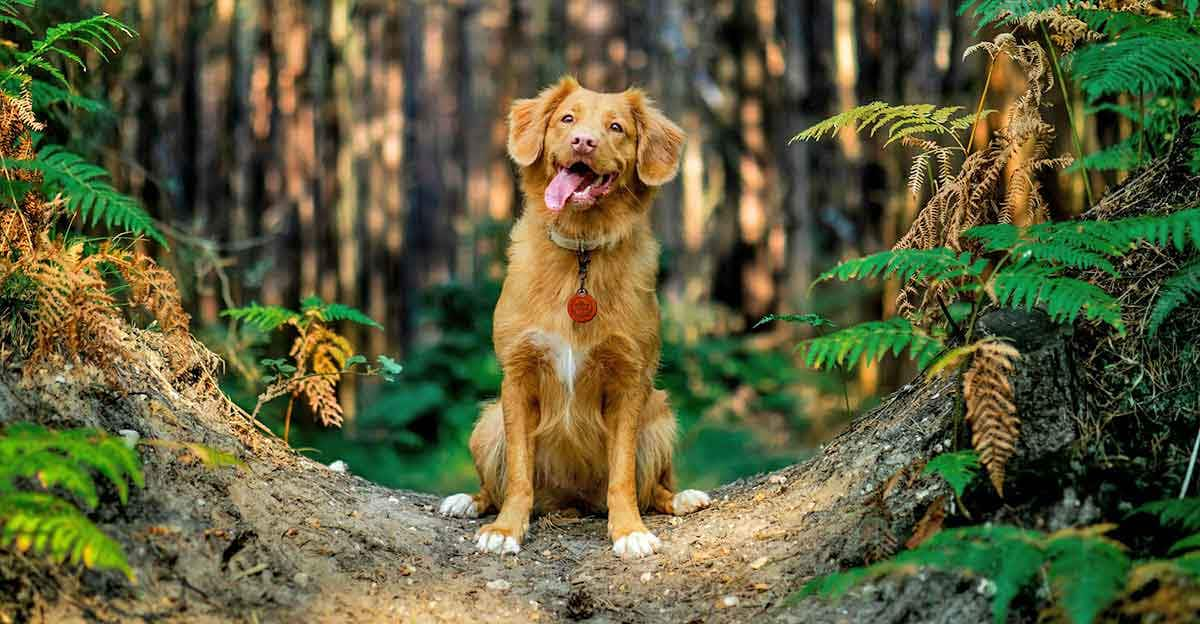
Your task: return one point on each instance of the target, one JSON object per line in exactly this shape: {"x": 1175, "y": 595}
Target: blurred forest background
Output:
{"x": 355, "y": 150}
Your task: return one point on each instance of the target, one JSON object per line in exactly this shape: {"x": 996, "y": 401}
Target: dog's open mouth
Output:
{"x": 577, "y": 184}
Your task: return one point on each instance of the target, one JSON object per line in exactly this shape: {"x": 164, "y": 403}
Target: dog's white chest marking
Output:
{"x": 566, "y": 360}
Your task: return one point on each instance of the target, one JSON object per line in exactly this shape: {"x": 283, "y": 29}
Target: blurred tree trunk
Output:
{"x": 356, "y": 148}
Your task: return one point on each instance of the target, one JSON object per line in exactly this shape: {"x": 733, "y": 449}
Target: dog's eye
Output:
{"x": 615, "y": 127}
{"x": 568, "y": 119}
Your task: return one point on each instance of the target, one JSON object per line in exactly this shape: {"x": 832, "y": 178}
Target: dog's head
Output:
{"x": 587, "y": 152}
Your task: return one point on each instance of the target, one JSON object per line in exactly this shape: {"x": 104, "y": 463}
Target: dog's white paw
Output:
{"x": 687, "y": 501}
{"x": 637, "y": 544}
{"x": 459, "y": 506}
{"x": 497, "y": 543}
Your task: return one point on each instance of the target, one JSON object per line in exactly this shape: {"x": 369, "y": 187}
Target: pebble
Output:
{"x": 129, "y": 436}
{"x": 300, "y": 579}
{"x": 730, "y": 601}
{"x": 646, "y": 576}
{"x": 777, "y": 479}
{"x": 499, "y": 585}
{"x": 339, "y": 466}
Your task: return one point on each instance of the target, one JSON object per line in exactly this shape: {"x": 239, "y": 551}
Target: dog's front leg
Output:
{"x": 506, "y": 534}
{"x": 629, "y": 534}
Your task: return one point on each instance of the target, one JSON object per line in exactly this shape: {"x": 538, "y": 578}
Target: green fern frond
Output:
{"x": 44, "y": 95}
{"x": 1065, "y": 298}
{"x": 1109, "y": 238}
{"x": 1157, "y": 56}
{"x": 812, "y": 320}
{"x": 46, "y": 524}
{"x": 1007, "y": 11}
{"x": 332, "y": 312}
{"x": 1120, "y": 156}
{"x": 87, "y": 191}
{"x": 1187, "y": 544}
{"x": 966, "y": 121}
{"x": 1008, "y": 556}
{"x": 98, "y": 33}
{"x": 1176, "y": 291}
{"x": 1194, "y": 162}
{"x": 9, "y": 13}
{"x": 1182, "y": 513}
{"x": 871, "y": 340}
{"x": 1078, "y": 244}
{"x": 1086, "y": 570}
{"x": 959, "y": 469}
{"x": 50, "y": 526}
{"x": 1175, "y": 229}
{"x": 1087, "y": 573}
{"x": 87, "y": 448}
{"x": 51, "y": 470}
{"x": 15, "y": 22}
{"x": 900, "y": 121}
{"x": 937, "y": 264}
{"x": 264, "y": 317}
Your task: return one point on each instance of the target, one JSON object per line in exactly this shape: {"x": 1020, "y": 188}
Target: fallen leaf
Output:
{"x": 929, "y": 524}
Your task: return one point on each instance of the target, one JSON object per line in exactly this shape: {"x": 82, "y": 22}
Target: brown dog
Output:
{"x": 579, "y": 423}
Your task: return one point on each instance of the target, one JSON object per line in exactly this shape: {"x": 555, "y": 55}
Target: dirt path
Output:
{"x": 285, "y": 539}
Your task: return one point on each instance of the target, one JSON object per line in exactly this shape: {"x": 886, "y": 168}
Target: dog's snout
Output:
{"x": 583, "y": 143}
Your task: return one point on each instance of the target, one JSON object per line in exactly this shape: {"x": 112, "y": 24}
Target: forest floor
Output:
{"x": 282, "y": 538}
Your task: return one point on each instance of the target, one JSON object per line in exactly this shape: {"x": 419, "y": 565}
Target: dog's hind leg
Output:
{"x": 487, "y": 449}
{"x": 656, "y": 472}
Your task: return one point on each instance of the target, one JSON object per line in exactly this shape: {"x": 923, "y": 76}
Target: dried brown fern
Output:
{"x": 150, "y": 287}
{"x": 981, "y": 193}
{"x": 921, "y": 168}
{"x": 21, "y": 220}
{"x": 71, "y": 309}
{"x": 319, "y": 355}
{"x": 1066, "y": 31}
{"x": 991, "y": 413}
{"x": 324, "y": 352}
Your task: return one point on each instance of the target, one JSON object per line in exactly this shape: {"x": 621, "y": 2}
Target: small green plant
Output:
{"x": 42, "y": 521}
{"x": 958, "y": 468}
{"x": 319, "y": 356}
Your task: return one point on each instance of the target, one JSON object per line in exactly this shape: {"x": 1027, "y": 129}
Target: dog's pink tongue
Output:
{"x": 560, "y": 188}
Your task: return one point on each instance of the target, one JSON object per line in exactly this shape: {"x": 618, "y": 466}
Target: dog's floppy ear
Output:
{"x": 528, "y": 119}
{"x": 660, "y": 141}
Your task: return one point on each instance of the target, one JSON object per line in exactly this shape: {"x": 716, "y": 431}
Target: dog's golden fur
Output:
{"x": 579, "y": 423}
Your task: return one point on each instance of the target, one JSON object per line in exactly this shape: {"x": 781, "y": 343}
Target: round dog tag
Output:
{"x": 581, "y": 307}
